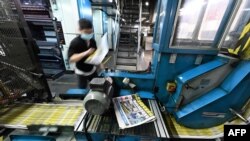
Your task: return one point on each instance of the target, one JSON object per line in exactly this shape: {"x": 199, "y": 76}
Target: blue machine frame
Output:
{"x": 84, "y": 9}
{"x": 163, "y": 70}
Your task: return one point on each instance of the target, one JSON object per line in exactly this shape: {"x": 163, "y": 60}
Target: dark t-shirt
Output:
{"x": 78, "y": 45}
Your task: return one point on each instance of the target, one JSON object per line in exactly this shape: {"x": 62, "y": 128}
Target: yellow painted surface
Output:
{"x": 40, "y": 114}
{"x": 246, "y": 49}
{"x": 182, "y": 131}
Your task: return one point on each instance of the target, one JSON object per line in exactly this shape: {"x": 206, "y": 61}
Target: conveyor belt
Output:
{"x": 164, "y": 127}
{"x": 108, "y": 124}
{"x": 23, "y": 115}
{"x": 178, "y": 131}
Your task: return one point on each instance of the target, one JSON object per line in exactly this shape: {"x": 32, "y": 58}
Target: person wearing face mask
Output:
{"x": 80, "y": 49}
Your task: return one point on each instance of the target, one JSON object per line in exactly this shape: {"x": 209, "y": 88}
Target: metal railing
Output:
{"x": 139, "y": 27}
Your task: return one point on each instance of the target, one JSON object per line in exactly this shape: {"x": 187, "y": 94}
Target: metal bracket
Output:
{"x": 172, "y": 59}
{"x": 198, "y": 59}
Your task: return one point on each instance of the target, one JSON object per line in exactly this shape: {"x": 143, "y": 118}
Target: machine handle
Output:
{"x": 238, "y": 115}
{"x": 187, "y": 86}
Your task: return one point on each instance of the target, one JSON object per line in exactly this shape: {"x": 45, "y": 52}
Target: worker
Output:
{"x": 81, "y": 47}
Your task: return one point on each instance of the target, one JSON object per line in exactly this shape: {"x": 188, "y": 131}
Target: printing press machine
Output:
{"x": 192, "y": 92}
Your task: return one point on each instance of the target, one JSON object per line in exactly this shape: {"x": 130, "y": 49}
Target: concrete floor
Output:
{"x": 143, "y": 60}
{"x": 62, "y": 84}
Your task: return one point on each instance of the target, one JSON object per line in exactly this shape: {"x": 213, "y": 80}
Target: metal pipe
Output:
{"x": 139, "y": 28}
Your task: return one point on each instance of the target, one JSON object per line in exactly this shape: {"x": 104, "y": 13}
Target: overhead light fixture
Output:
{"x": 147, "y": 3}
{"x": 110, "y": 0}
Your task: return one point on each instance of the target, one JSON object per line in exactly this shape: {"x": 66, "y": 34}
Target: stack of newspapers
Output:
{"x": 102, "y": 50}
{"x": 131, "y": 111}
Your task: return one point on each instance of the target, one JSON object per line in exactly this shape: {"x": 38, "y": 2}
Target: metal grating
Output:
{"x": 14, "y": 83}
{"x": 18, "y": 67}
{"x": 12, "y": 43}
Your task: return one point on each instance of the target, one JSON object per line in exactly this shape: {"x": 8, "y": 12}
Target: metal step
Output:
{"x": 132, "y": 42}
{"x": 134, "y": 22}
{"x": 125, "y": 41}
{"x": 131, "y": 39}
{"x": 127, "y": 27}
{"x": 127, "y": 55}
{"x": 126, "y": 49}
{"x": 126, "y": 62}
{"x": 135, "y": 7}
{"x": 130, "y": 13}
{"x": 127, "y": 45}
{"x": 132, "y": 4}
{"x": 129, "y": 68}
{"x": 124, "y": 37}
{"x": 130, "y": 16}
{"x": 128, "y": 33}
{"x": 145, "y": 13}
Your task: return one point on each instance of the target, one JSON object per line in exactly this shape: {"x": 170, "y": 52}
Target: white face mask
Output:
{"x": 87, "y": 36}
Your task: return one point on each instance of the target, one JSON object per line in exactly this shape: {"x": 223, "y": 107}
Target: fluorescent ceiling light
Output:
{"x": 146, "y": 3}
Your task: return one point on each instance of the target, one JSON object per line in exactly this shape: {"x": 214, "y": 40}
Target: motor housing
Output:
{"x": 98, "y": 100}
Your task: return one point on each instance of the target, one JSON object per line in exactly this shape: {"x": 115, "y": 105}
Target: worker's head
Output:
{"x": 86, "y": 29}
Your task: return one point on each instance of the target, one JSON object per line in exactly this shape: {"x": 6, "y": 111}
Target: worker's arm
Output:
{"x": 78, "y": 56}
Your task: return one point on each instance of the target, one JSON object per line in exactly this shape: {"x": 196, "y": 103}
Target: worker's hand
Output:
{"x": 90, "y": 51}
{"x": 78, "y": 56}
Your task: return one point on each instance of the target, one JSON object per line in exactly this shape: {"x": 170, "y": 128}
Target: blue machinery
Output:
{"x": 209, "y": 87}
{"x": 210, "y": 90}
{"x": 206, "y": 83}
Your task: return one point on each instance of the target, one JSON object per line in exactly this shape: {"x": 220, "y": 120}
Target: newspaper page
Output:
{"x": 131, "y": 111}
{"x": 102, "y": 50}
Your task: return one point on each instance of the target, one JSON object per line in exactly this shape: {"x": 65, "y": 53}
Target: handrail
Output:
{"x": 139, "y": 27}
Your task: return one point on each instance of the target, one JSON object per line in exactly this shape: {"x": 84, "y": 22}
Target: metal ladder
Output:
{"x": 126, "y": 58}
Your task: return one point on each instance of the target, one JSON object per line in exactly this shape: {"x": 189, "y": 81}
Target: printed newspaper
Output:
{"x": 131, "y": 111}
{"x": 102, "y": 50}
